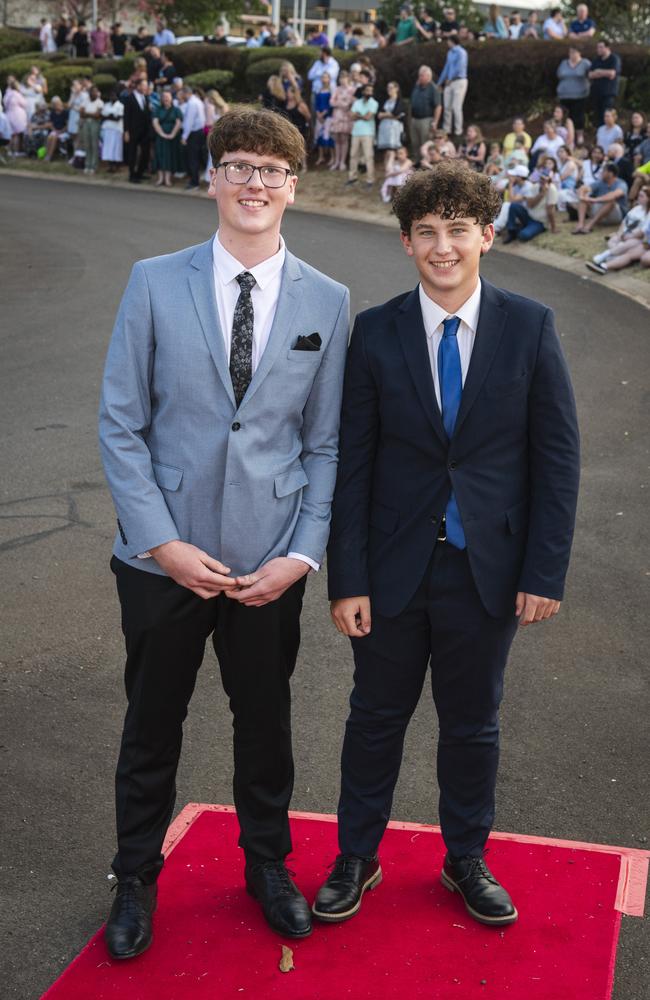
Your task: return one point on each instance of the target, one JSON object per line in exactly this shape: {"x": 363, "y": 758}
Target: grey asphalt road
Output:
{"x": 575, "y": 719}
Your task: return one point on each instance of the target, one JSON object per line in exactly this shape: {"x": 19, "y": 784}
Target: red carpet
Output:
{"x": 412, "y": 936}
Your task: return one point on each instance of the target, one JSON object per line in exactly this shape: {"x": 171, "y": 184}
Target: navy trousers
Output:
{"x": 447, "y": 629}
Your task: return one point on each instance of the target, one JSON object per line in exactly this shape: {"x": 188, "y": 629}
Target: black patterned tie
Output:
{"x": 241, "y": 344}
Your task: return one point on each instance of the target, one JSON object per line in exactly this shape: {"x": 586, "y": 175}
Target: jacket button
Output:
{"x": 235, "y": 426}
{"x": 453, "y": 465}
{"x": 434, "y": 520}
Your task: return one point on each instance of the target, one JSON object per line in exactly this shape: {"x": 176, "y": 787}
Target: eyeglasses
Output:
{"x": 241, "y": 173}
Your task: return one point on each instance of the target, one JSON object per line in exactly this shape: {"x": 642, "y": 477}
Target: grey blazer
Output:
{"x": 182, "y": 461}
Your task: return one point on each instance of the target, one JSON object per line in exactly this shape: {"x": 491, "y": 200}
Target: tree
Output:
{"x": 619, "y": 20}
{"x": 198, "y": 15}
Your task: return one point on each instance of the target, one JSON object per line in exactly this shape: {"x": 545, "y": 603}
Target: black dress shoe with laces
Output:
{"x": 284, "y": 906}
{"x": 485, "y": 899}
{"x": 128, "y": 929}
{"x": 339, "y": 898}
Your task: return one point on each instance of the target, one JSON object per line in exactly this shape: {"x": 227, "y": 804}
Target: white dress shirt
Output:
{"x": 264, "y": 294}
{"x": 433, "y": 316}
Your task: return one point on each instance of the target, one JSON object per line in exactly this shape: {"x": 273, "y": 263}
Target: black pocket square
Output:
{"x": 310, "y": 343}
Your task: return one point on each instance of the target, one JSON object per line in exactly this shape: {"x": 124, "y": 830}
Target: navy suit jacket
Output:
{"x": 513, "y": 459}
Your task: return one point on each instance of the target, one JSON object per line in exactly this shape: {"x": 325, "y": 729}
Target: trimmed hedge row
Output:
{"x": 13, "y": 42}
{"x": 505, "y": 78}
{"x": 213, "y": 79}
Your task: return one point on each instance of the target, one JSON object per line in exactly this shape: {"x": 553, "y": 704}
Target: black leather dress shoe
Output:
{"x": 284, "y": 906}
{"x": 339, "y": 898}
{"x": 485, "y": 899}
{"x": 128, "y": 929}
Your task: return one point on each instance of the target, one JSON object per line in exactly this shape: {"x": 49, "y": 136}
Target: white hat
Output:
{"x": 519, "y": 170}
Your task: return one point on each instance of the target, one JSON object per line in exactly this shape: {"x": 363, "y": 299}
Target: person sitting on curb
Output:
{"x": 605, "y": 202}
{"x": 531, "y": 216}
{"x": 629, "y": 242}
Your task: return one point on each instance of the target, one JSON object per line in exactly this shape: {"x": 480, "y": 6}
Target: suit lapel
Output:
{"x": 491, "y": 320}
{"x": 288, "y": 301}
{"x": 413, "y": 338}
{"x": 203, "y": 293}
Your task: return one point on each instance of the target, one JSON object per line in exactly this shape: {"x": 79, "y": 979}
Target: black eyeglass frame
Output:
{"x": 228, "y": 163}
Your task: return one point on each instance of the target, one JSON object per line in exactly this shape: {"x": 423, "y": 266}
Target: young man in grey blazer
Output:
{"x": 219, "y": 435}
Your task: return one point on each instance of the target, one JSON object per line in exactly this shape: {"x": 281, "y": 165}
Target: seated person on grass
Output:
{"x": 630, "y": 241}
{"x": 517, "y": 188}
{"x": 534, "y": 213}
{"x": 601, "y": 203}
{"x": 396, "y": 175}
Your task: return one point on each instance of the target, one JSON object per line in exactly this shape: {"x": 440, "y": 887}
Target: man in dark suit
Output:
{"x": 137, "y": 130}
{"x": 452, "y": 521}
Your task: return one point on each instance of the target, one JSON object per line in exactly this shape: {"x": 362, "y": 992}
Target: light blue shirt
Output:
{"x": 164, "y": 37}
{"x": 193, "y": 116}
{"x": 455, "y": 65}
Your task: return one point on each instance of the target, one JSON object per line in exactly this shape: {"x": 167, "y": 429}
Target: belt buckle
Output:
{"x": 442, "y": 530}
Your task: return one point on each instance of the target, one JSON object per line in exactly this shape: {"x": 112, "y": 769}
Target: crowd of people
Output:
{"x": 156, "y": 124}
{"x": 152, "y": 123}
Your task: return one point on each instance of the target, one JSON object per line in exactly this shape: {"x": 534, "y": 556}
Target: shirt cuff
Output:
{"x": 310, "y": 562}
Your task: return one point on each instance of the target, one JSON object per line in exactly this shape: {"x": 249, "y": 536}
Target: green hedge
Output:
{"x": 106, "y": 84}
{"x": 194, "y": 57}
{"x": 258, "y": 72}
{"x": 507, "y": 78}
{"x": 59, "y": 79}
{"x": 18, "y": 66}
{"x": 213, "y": 79}
{"x": 14, "y": 42}
{"x": 120, "y": 68}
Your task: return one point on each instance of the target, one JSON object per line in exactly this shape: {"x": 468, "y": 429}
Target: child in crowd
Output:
{"x": 397, "y": 174}
{"x": 494, "y": 165}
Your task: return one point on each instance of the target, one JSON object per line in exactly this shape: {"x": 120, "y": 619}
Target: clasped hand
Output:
{"x": 206, "y": 577}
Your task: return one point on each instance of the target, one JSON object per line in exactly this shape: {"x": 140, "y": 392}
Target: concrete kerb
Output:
{"x": 622, "y": 284}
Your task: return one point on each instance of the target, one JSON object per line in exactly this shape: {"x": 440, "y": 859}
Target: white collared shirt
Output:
{"x": 264, "y": 294}
{"x": 433, "y": 316}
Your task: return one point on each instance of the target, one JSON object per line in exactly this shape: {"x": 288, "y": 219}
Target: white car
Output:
{"x": 233, "y": 40}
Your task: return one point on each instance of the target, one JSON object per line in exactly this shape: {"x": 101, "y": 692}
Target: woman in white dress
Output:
{"x": 112, "y": 133}
{"x": 391, "y": 125}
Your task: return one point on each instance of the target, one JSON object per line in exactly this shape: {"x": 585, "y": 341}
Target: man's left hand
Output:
{"x": 530, "y": 609}
{"x": 268, "y": 582}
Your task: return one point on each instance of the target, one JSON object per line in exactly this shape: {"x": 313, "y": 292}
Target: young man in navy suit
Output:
{"x": 452, "y": 524}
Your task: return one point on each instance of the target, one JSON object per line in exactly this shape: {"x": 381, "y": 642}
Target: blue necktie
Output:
{"x": 450, "y": 376}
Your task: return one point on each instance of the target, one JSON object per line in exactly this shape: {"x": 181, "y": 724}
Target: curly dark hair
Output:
{"x": 452, "y": 190}
{"x": 263, "y": 132}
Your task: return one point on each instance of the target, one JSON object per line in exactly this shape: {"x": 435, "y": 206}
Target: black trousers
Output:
{"x": 601, "y": 104}
{"x": 138, "y": 155}
{"x": 445, "y": 627}
{"x": 195, "y": 154}
{"x": 166, "y": 628}
{"x": 576, "y": 108}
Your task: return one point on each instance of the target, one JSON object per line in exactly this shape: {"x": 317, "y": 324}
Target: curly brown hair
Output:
{"x": 451, "y": 190}
{"x": 263, "y": 132}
